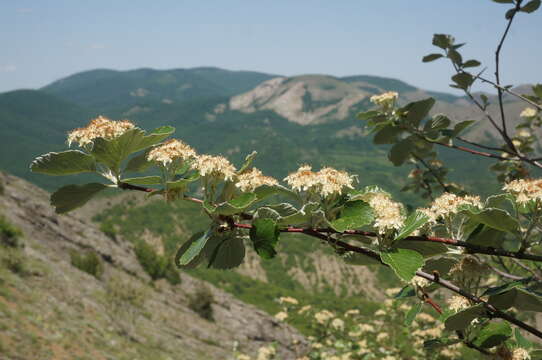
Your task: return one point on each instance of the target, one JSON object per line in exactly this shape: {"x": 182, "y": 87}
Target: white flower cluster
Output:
{"x": 323, "y": 316}
{"x": 389, "y": 214}
{"x": 288, "y": 300}
{"x": 250, "y": 180}
{"x": 326, "y": 182}
{"x": 458, "y": 303}
{"x": 525, "y": 190}
{"x": 171, "y": 150}
{"x": 528, "y": 112}
{"x": 448, "y": 204}
{"x": 385, "y": 99}
{"x": 100, "y": 127}
{"x": 215, "y": 166}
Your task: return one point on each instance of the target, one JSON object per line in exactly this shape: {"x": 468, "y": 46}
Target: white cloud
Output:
{"x": 8, "y": 68}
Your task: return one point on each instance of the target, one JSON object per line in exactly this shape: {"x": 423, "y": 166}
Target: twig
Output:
{"x": 437, "y": 178}
{"x": 436, "y": 279}
{"x": 507, "y": 90}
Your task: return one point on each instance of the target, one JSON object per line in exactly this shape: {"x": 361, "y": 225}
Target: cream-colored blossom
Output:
{"x": 243, "y": 357}
{"x": 381, "y": 336}
{"x": 288, "y": 300}
{"x": 520, "y": 354}
{"x": 380, "y": 312}
{"x": 266, "y": 353}
{"x": 524, "y": 133}
{"x": 304, "y": 309}
{"x": 385, "y": 99}
{"x": 425, "y": 317}
{"x": 392, "y": 291}
{"x": 525, "y": 190}
{"x": 388, "y": 302}
{"x": 317, "y": 345}
{"x": 404, "y": 307}
{"x": 528, "y": 112}
{"x": 281, "y": 316}
{"x": 323, "y": 316}
{"x": 351, "y": 312}
{"x": 354, "y": 333}
{"x": 337, "y": 324}
{"x": 458, "y": 303}
{"x": 448, "y": 204}
{"x": 101, "y": 127}
{"x": 388, "y": 213}
{"x": 366, "y": 328}
{"x": 214, "y": 166}
{"x": 250, "y": 180}
{"x": 170, "y": 151}
{"x": 333, "y": 181}
{"x": 326, "y": 182}
{"x": 420, "y": 282}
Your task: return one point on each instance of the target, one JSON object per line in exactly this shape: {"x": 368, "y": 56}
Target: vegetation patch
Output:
{"x": 87, "y": 261}
{"x": 201, "y": 302}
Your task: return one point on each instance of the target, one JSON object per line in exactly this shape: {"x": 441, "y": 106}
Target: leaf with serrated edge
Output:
{"x": 354, "y": 214}
{"x": 63, "y": 163}
{"x": 463, "y": 318}
{"x": 404, "y": 262}
{"x": 413, "y": 222}
{"x": 143, "y": 180}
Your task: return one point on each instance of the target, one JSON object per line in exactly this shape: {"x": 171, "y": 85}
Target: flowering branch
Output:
{"x": 435, "y": 279}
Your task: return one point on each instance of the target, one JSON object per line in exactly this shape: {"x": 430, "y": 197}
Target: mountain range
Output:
{"x": 287, "y": 120}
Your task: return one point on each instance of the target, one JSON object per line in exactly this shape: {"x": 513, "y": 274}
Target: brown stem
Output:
{"x": 437, "y": 178}
{"x": 436, "y": 279}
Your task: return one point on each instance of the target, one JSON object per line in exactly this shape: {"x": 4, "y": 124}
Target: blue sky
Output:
{"x": 44, "y": 40}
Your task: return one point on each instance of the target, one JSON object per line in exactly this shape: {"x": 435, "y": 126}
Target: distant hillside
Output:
{"x": 32, "y": 122}
{"x": 109, "y": 89}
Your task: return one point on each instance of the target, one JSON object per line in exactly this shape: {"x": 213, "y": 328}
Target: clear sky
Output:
{"x": 44, "y": 40}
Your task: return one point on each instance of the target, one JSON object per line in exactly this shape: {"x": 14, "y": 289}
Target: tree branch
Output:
{"x": 504, "y": 89}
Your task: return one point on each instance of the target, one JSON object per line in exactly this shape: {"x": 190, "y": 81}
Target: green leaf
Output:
{"x": 495, "y": 218}
{"x": 471, "y": 63}
{"x": 406, "y": 291}
{"x": 505, "y": 287}
{"x": 413, "y": 222}
{"x": 70, "y": 197}
{"x": 537, "y": 89}
{"x": 531, "y": 6}
{"x": 521, "y": 299}
{"x": 400, "y": 152}
{"x": 521, "y": 340}
{"x": 236, "y": 205}
{"x": 265, "y": 191}
{"x": 460, "y": 126}
{"x": 425, "y": 248}
{"x": 463, "y": 318}
{"x": 442, "y": 265}
{"x": 353, "y": 258}
{"x": 354, "y": 214}
{"x": 367, "y": 115}
{"x": 433, "y": 344}
{"x": 284, "y": 209}
{"x": 138, "y": 163}
{"x": 63, "y": 163}
{"x": 196, "y": 260}
{"x": 229, "y": 253}
{"x": 113, "y": 152}
{"x": 443, "y": 41}
{"x": 463, "y": 80}
{"x": 431, "y": 57}
{"x": 418, "y": 110}
{"x": 486, "y": 236}
{"x": 404, "y": 262}
{"x": 438, "y": 122}
{"x": 193, "y": 250}
{"x": 493, "y": 334}
{"x": 411, "y": 315}
{"x": 455, "y": 56}
{"x": 387, "y": 135}
{"x": 143, "y": 180}
{"x": 248, "y": 161}
{"x": 264, "y": 235}
{"x": 504, "y": 1}
{"x": 266, "y": 213}
{"x": 182, "y": 183}
{"x": 510, "y": 13}
{"x": 303, "y": 216}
